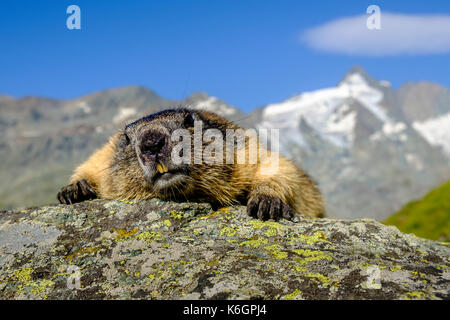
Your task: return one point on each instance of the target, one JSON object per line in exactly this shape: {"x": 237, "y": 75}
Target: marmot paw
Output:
{"x": 265, "y": 207}
{"x": 76, "y": 192}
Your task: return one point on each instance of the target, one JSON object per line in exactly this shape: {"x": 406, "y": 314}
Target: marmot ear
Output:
{"x": 190, "y": 118}
{"x": 124, "y": 140}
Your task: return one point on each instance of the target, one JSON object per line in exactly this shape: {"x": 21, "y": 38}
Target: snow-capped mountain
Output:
{"x": 203, "y": 101}
{"x": 355, "y": 140}
{"x": 436, "y": 131}
{"x": 331, "y": 112}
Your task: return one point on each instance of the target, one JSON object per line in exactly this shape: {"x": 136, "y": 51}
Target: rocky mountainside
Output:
{"x": 367, "y": 145}
{"x": 370, "y": 148}
{"x": 42, "y": 140}
{"x": 163, "y": 250}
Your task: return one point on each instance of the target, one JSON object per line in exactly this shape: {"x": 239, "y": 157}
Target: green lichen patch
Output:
{"x": 316, "y": 236}
{"x": 311, "y": 255}
{"x": 256, "y": 242}
{"x": 296, "y": 294}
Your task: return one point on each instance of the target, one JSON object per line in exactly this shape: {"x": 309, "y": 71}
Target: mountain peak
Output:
{"x": 203, "y": 101}
{"x": 200, "y": 95}
{"x": 358, "y": 69}
{"x": 358, "y": 72}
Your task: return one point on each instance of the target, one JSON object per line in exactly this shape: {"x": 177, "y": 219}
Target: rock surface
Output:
{"x": 163, "y": 250}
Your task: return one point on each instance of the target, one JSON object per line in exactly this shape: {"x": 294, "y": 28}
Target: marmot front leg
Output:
{"x": 266, "y": 207}
{"x": 86, "y": 182}
{"x": 77, "y": 192}
{"x": 282, "y": 190}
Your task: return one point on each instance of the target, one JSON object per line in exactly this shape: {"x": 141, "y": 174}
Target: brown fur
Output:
{"x": 114, "y": 173}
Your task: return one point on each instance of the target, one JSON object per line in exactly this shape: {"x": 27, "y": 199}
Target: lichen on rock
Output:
{"x": 152, "y": 249}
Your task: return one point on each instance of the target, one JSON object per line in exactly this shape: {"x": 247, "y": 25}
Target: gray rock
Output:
{"x": 163, "y": 250}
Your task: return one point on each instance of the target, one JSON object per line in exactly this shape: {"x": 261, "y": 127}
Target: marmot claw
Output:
{"x": 76, "y": 192}
{"x": 265, "y": 207}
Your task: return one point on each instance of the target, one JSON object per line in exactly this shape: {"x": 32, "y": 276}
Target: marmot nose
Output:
{"x": 153, "y": 143}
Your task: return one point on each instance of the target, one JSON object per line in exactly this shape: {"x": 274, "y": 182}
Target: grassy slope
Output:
{"x": 428, "y": 217}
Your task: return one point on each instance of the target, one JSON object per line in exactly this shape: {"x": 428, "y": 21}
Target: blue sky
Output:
{"x": 248, "y": 53}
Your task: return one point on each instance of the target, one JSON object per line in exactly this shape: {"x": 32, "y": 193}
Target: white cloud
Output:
{"x": 399, "y": 34}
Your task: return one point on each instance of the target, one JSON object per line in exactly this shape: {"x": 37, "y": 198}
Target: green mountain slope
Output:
{"x": 428, "y": 217}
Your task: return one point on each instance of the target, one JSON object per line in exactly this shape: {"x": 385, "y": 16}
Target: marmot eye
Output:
{"x": 124, "y": 140}
{"x": 189, "y": 121}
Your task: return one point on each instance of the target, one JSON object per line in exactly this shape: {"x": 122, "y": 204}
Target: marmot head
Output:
{"x": 149, "y": 142}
